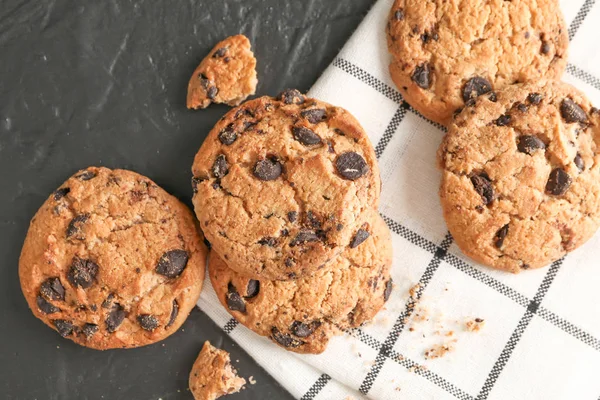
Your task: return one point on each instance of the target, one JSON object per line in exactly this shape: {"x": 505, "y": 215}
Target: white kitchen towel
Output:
{"x": 541, "y": 333}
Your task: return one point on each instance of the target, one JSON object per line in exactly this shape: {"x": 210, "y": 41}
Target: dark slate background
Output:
{"x": 104, "y": 83}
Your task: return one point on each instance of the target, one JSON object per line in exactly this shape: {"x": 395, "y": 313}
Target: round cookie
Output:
{"x": 445, "y": 54}
{"x": 521, "y": 176}
{"x": 281, "y": 185}
{"x": 302, "y": 315}
{"x": 112, "y": 261}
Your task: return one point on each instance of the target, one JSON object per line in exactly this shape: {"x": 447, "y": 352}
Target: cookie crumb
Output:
{"x": 438, "y": 351}
{"x": 413, "y": 290}
{"x": 475, "y": 325}
{"x": 251, "y": 380}
{"x": 212, "y": 375}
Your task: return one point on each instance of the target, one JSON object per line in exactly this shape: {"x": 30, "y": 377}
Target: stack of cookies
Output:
{"x": 520, "y": 163}
{"x": 286, "y": 190}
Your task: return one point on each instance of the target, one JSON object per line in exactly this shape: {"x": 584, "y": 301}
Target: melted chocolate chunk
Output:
{"x": 74, "y": 227}
{"x": 65, "y": 328}
{"x": 220, "y": 168}
{"x": 89, "y": 330}
{"x": 174, "y": 313}
{"x": 252, "y": 289}
{"x": 302, "y": 330}
{"x": 60, "y": 193}
{"x": 234, "y": 300}
{"x": 172, "y": 263}
{"x": 45, "y": 306}
{"x": 314, "y": 115}
{"x": 483, "y": 186}
{"x": 115, "y": 317}
{"x": 305, "y": 136}
{"x": 500, "y": 236}
{"x": 572, "y": 112}
{"x": 529, "y": 144}
{"x": 359, "y": 238}
{"x": 351, "y": 165}
{"x": 558, "y": 182}
{"x": 86, "y": 175}
{"x": 304, "y": 236}
{"x": 227, "y": 136}
{"x": 422, "y": 76}
{"x": 268, "y": 169}
{"x": 284, "y": 339}
{"x": 147, "y": 321}
{"x": 82, "y": 273}
{"x": 388, "y": 290}
{"x": 52, "y": 289}
{"x": 475, "y": 87}
{"x": 291, "y": 96}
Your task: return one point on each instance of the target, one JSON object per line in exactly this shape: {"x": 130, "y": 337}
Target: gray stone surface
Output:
{"x": 104, "y": 83}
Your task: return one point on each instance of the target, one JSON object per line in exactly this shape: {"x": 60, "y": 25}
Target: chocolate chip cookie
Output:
{"x": 226, "y": 75}
{"x": 521, "y": 176}
{"x": 281, "y": 185}
{"x": 111, "y": 260}
{"x": 212, "y": 375}
{"x": 302, "y": 315}
{"x": 445, "y": 54}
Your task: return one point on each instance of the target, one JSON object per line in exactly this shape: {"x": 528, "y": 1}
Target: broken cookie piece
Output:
{"x": 226, "y": 75}
{"x": 212, "y": 375}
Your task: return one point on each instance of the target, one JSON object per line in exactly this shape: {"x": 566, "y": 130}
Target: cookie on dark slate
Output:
{"x": 445, "y": 55}
{"x": 521, "y": 176}
{"x": 304, "y": 314}
{"x": 112, "y": 261}
{"x": 281, "y": 185}
{"x": 226, "y": 75}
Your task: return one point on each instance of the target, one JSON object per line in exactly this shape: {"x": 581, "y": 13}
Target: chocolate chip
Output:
{"x": 493, "y": 97}
{"x": 291, "y": 96}
{"x": 525, "y": 266}
{"x": 422, "y": 76}
{"x": 252, "y": 289}
{"x": 82, "y": 272}
{"x": 86, "y": 175}
{"x": 572, "y": 112}
{"x": 305, "y": 136}
{"x": 351, "y": 165}
{"x": 268, "y": 169}
{"x": 108, "y": 301}
{"x": 212, "y": 92}
{"x": 220, "y": 52}
{"x": 174, "y": 313}
{"x": 388, "y": 290}
{"x": 234, "y": 300}
{"x": 227, "y": 59}
{"x": 545, "y": 49}
{"x": 172, "y": 263}
{"x": 227, "y": 136}
{"x": 359, "y": 238}
{"x": 52, "y": 289}
{"x": 500, "y": 236}
{"x": 147, "y": 321}
{"x": 301, "y": 329}
{"x": 60, "y": 193}
{"x": 89, "y": 330}
{"x": 268, "y": 241}
{"x": 558, "y": 183}
{"x": 46, "y": 307}
{"x": 529, "y": 144}
{"x": 64, "y": 327}
{"x": 115, "y": 317}
{"x": 522, "y": 107}
{"x": 74, "y": 227}
{"x": 284, "y": 339}
{"x": 475, "y": 87}
{"x": 503, "y": 120}
{"x": 579, "y": 163}
{"x": 304, "y": 236}
{"x": 314, "y": 115}
{"x": 535, "y": 98}
{"x": 285, "y": 233}
{"x": 399, "y": 14}
{"x": 220, "y": 167}
{"x": 313, "y": 220}
{"x": 483, "y": 186}
{"x": 292, "y": 216}
{"x": 204, "y": 81}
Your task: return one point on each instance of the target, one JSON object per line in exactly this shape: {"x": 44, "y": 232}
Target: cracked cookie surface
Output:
{"x": 281, "y": 186}
{"x": 226, "y": 75}
{"x": 521, "y": 176}
{"x": 112, "y": 261}
{"x": 446, "y": 53}
{"x": 212, "y": 375}
{"x": 303, "y": 315}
